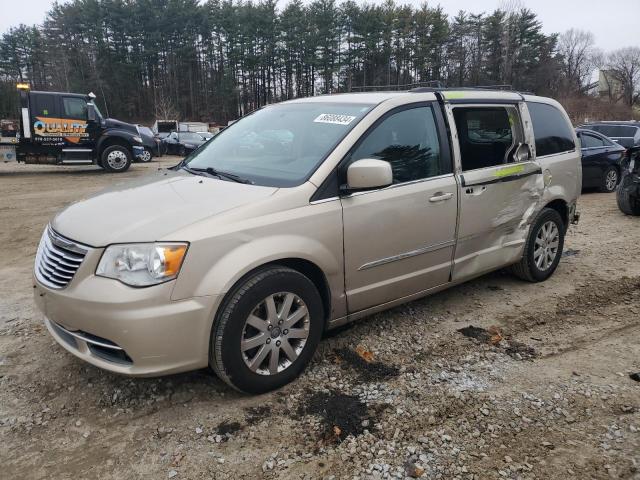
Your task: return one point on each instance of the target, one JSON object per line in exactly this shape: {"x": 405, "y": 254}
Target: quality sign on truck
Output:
{"x": 70, "y": 130}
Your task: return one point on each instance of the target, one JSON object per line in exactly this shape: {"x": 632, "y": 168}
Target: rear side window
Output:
{"x": 552, "y": 131}
{"x": 615, "y": 130}
{"x": 591, "y": 141}
{"x": 488, "y": 135}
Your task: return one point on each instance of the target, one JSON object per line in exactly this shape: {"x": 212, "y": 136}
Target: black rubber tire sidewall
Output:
{"x": 545, "y": 215}
{"x": 112, "y": 148}
{"x": 225, "y": 355}
{"x": 603, "y": 184}
{"x": 182, "y": 152}
{"x": 627, "y": 203}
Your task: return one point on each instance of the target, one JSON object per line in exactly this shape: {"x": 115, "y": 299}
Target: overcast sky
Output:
{"x": 615, "y": 23}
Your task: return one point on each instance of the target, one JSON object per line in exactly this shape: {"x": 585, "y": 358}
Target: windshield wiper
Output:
{"x": 218, "y": 173}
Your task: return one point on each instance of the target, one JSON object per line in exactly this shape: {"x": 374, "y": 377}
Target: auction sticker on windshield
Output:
{"x": 334, "y": 118}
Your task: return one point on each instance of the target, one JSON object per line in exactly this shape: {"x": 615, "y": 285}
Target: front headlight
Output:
{"x": 142, "y": 264}
{"x": 137, "y": 138}
{"x": 189, "y": 145}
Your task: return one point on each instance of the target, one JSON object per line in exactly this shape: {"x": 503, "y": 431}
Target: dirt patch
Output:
{"x": 519, "y": 350}
{"x": 368, "y": 371}
{"x": 480, "y": 334}
{"x": 341, "y": 414}
{"x": 494, "y": 336}
{"x": 228, "y": 428}
{"x": 254, "y": 415}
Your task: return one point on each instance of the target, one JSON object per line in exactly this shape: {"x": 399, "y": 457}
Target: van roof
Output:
{"x": 453, "y": 95}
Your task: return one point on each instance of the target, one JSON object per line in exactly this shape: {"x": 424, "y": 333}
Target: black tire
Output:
{"x": 526, "y": 268}
{"x": 225, "y": 355}
{"x": 122, "y": 160}
{"x": 627, "y": 203}
{"x": 182, "y": 151}
{"x": 606, "y": 183}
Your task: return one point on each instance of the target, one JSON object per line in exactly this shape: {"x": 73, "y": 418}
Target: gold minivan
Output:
{"x": 301, "y": 217}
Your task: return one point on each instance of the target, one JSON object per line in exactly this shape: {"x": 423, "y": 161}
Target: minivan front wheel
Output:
{"x": 543, "y": 247}
{"x": 267, "y": 330}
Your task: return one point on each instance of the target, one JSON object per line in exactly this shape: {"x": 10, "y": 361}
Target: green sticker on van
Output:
{"x": 505, "y": 172}
{"x": 454, "y": 95}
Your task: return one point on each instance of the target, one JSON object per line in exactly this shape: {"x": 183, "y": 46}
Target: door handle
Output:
{"x": 441, "y": 197}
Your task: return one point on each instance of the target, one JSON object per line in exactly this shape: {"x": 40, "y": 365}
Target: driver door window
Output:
{"x": 75, "y": 108}
{"x": 408, "y": 140}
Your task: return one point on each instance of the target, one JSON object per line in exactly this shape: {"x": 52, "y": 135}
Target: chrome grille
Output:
{"x": 58, "y": 259}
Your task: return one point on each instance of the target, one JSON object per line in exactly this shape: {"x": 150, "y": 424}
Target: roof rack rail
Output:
{"x": 434, "y": 84}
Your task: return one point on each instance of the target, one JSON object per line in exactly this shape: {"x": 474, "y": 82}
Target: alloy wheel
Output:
{"x": 611, "y": 180}
{"x": 146, "y": 156}
{"x": 546, "y": 245}
{"x": 275, "y": 333}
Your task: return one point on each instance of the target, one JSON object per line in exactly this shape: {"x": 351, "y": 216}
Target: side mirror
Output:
{"x": 522, "y": 153}
{"x": 91, "y": 112}
{"x": 369, "y": 173}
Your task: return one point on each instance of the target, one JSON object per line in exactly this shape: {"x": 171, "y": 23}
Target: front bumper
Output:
{"x": 132, "y": 331}
{"x": 138, "y": 151}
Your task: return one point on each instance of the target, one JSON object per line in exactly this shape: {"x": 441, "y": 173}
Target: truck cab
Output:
{"x": 60, "y": 128}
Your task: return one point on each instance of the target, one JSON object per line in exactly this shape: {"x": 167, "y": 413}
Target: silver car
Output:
{"x": 304, "y": 216}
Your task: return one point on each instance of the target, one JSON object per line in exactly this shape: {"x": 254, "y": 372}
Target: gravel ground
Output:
{"x": 540, "y": 387}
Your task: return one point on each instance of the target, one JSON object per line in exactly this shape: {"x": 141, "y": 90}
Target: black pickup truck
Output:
{"x": 68, "y": 129}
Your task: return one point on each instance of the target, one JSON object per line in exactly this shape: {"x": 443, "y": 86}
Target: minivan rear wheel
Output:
{"x": 543, "y": 248}
{"x": 267, "y": 330}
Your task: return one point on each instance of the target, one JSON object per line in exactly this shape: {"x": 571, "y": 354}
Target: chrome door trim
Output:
{"x": 412, "y": 253}
{"x": 397, "y": 185}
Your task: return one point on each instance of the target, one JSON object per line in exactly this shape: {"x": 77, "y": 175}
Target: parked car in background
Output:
{"x": 601, "y": 160}
{"x": 183, "y": 143}
{"x": 241, "y": 256}
{"x": 151, "y": 142}
{"x": 626, "y": 134}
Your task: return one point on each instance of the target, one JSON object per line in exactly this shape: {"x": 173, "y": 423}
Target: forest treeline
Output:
{"x": 222, "y": 58}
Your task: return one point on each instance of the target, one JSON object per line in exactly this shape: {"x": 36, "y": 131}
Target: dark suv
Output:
{"x": 626, "y": 134}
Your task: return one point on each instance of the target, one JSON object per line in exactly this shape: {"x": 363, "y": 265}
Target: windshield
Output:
{"x": 280, "y": 145}
{"x": 615, "y": 130}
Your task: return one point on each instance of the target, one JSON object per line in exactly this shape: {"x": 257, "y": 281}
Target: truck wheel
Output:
{"x": 609, "y": 180}
{"x": 116, "y": 159}
{"x": 182, "y": 151}
{"x": 267, "y": 330}
{"x": 543, "y": 249}
{"x": 627, "y": 203}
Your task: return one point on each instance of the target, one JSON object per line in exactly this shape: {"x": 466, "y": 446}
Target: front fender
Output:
{"x": 250, "y": 254}
{"x": 122, "y": 135}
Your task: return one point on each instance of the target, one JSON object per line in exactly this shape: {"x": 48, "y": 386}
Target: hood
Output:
{"x": 113, "y": 123}
{"x": 152, "y": 207}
